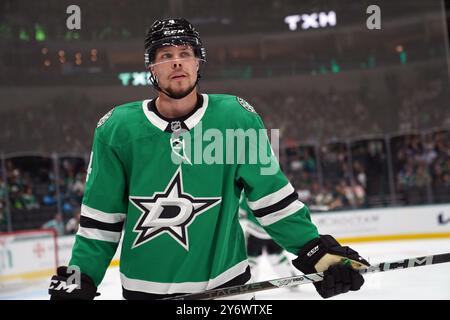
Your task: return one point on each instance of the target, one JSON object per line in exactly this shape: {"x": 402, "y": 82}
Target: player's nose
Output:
{"x": 177, "y": 64}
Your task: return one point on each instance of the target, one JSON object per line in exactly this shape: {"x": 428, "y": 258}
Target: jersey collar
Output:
{"x": 164, "y": 123}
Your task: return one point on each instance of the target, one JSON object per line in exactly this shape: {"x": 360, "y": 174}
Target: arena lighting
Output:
{"x": 39, "y": 33}
{"x": 314, "y": 20}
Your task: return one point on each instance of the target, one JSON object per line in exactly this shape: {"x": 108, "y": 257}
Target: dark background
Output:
{"x": 364, "y": 115}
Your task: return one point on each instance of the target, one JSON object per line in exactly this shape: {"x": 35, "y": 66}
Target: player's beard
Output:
{"x": 178, "y": 94}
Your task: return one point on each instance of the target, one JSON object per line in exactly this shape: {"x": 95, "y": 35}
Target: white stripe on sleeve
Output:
{"x": 97, "y": 234}
{"x": 281, "y": 214}
{"x": 271, "y": 198}
{"x": 102, "y": 216}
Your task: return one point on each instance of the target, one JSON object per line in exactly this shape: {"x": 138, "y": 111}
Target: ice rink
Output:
{"x": 422, "y": 283}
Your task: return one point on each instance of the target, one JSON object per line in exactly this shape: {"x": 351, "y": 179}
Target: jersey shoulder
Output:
{"x": 116, "y": 126}
{"x": 230, "y": 103}
{"x": 234, "y": 109}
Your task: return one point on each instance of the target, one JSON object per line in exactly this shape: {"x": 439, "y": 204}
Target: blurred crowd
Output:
{"x": 355, "y": 156}
{"x": 336, "y": 188}
{"x": 335, "y": 176}
{"x": 64, "y": 124}
{"x": 297, "y": 112}
{"x": 3, "y": 208}
{"x": 422, "y": 106}
{"x": 37, "y": 197}
{"x": 326, "y": 179}
{"x": 369, "y": 142}
{"x": 67, "y": 123}
{"x": 30, "y": 190}
{"x": 421, "y": 163}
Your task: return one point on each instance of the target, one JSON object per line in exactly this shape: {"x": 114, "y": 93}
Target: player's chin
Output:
{"x": 180, "y": 92}
{"x": 181, "y": 88}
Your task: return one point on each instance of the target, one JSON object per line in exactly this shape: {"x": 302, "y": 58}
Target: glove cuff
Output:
{"x": 309, "y": 255}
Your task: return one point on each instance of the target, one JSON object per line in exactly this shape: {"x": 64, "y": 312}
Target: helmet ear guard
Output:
{"x": 167, "y": 32}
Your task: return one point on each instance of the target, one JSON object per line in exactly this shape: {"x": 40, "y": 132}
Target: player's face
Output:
{"x": 175, "y": 68}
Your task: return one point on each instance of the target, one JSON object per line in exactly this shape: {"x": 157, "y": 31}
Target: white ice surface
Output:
{"x": 422, "y": 283}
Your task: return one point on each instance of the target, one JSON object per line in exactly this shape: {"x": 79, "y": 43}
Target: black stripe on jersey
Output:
{"x": 137, "y": 295}
{"x": 86, "y": 222}
{"x": 277, "y": 206}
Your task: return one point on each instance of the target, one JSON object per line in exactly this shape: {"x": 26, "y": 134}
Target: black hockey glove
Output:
{"x": 338, "y": 263}
{"x": 60, "y": 290}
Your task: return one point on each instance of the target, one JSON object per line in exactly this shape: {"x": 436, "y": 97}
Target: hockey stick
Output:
{"x": 309, "y": 278}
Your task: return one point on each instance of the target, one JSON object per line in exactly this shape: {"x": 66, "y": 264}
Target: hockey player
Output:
{"x": 178, "y": 216}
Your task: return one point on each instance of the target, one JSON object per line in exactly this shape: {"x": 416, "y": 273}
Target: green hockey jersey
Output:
{"x": 170, "y": 189}
{"x": 249, "y": 222}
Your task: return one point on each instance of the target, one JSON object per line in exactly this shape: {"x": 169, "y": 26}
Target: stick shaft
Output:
{"x": 309, "y": 278}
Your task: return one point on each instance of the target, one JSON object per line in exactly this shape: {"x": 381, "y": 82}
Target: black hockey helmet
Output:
{"x": 177, "y": 31}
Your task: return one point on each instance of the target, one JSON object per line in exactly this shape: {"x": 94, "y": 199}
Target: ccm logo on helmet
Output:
{"x": 172, "y": 32}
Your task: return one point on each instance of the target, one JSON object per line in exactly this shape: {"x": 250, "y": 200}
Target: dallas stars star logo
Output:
{"x": 171, "y": 212}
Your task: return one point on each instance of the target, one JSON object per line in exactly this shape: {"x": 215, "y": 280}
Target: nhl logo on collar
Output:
{"x": 175, "y": 126}
{"x": 245, "y": 104}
